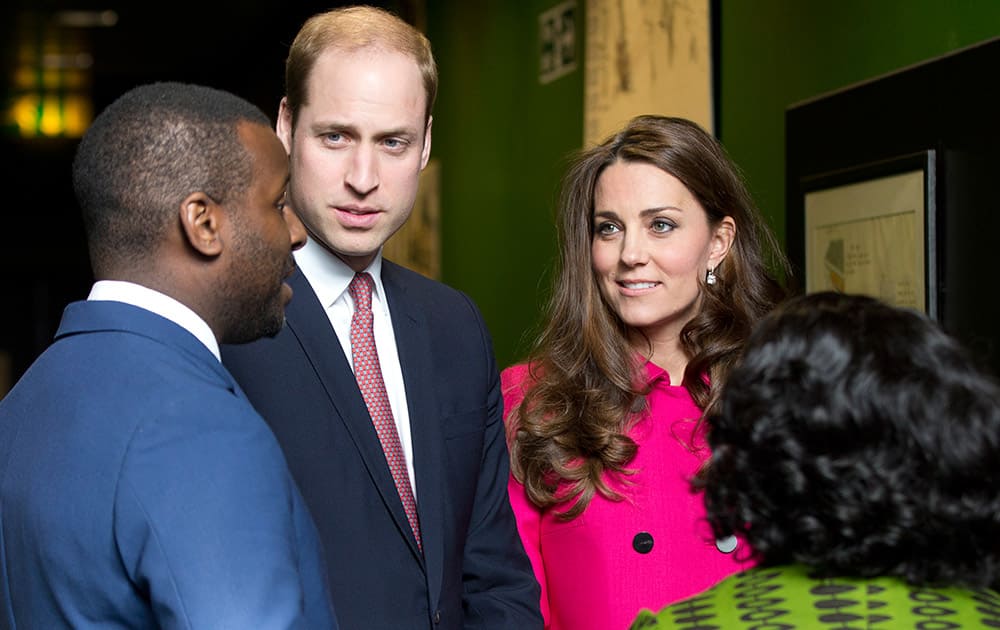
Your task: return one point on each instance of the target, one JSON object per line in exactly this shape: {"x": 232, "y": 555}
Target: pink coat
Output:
{"x": 598, "y": 570}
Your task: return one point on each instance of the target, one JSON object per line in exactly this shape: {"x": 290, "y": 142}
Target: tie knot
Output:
{"x": 361, "y": 291}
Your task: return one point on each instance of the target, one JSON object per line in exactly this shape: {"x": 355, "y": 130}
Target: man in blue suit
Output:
{"x": 383, "y": 390}
{"x": 138, "y": 487}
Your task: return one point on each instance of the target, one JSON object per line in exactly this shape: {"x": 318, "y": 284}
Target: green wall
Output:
{"x": 502, "y": 138}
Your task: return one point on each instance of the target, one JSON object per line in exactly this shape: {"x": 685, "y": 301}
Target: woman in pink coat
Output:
{"x": 663, "y": 272}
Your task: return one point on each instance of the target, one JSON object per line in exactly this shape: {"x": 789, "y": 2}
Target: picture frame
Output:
{"x": 872, "y": 230}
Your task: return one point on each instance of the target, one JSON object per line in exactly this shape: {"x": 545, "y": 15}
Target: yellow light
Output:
{"x": 52, "y": 118}
{"x": 66, "y": 115}
{"x": 25, "y": 111}
{"x": 79, "y": 113}
{"x": 50, "y": 81}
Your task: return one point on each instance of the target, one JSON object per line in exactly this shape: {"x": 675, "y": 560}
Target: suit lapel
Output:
{"x": 307, "y": 321}
{"x": 413, "y": 343}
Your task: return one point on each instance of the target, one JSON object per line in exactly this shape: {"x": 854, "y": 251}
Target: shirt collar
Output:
{"x": 657, "y": 377}
{"x": 654, "y": 373}
{"x": 329, "y": 275}
{"x": 159, "y": 303}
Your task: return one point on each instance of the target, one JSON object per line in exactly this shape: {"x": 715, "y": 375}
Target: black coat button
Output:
{"x": 643, "y": 542}
{"x": 437, "y": 616}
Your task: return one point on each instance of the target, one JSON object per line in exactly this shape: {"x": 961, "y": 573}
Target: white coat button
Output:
{"x": 727, "y": 544}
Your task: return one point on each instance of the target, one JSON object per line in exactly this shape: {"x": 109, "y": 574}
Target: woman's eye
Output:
{"x": 607, "y": 228}
{"x": 662, "y": 226}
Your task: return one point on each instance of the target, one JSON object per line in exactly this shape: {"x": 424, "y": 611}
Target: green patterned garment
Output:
{"x": 786, "y": 598}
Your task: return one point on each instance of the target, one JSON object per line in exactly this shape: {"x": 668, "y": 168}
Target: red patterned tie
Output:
{"x": 369, "y": 374}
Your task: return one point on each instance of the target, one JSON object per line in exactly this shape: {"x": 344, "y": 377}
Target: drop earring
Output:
{"x": 710, "y": 277}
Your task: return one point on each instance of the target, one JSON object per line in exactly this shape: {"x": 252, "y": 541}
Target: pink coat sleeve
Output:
{"x": 513, "y": 382}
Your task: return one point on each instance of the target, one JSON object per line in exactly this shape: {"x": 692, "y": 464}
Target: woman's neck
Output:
{"x": 667, "y": 353}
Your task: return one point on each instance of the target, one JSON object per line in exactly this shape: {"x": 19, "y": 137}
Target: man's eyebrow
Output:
{"x": 326, "y": 126}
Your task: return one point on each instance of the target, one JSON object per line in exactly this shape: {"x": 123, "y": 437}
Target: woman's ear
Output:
{"x": 723, "y": 238}
{"x": 201, "y": 220}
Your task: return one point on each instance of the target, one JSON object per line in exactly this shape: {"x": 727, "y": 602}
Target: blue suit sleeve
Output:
{"x": 500, "y": 590}
{"x": 211, "y": 528}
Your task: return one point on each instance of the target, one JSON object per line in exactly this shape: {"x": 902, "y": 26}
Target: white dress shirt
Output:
{"x": 329, "y": 277}
{"x": 159, "y": 303}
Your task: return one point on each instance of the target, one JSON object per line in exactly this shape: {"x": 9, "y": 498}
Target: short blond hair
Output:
{"x": 350, "y": 29}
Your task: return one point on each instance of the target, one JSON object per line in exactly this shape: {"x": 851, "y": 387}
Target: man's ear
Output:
{"x": 201, "y": 222}
{"x": 284, "y": 125}
{"x": 426, "y": 153}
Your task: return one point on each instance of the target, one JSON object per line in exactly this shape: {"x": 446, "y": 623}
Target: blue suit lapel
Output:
{"x": 411, "y": 329}
{"x": 307, "y": 321}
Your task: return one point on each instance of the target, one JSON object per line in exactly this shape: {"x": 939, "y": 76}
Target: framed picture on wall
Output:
{"x": 871, "y": 230}
{"x": 647, "y": 57}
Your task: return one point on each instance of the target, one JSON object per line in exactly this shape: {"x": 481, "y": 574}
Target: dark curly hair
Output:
{"x": 858, "y": 439}
{"x": 587, "y": 384}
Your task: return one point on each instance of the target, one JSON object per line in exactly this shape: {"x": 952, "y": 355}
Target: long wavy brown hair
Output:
{"x": 587, "y": 381}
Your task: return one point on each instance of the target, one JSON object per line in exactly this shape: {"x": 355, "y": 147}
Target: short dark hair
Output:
{"x": 859, "y": 439}
{"x": 146, "y": 152}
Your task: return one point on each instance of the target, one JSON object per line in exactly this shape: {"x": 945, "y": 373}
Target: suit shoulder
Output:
{"x": 433, "y": 295}
{"x": 398, "y": 274}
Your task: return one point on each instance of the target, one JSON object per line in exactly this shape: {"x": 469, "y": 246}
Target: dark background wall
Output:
{"x": 230, "y": 44}
{"x": 501, "y": 137}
